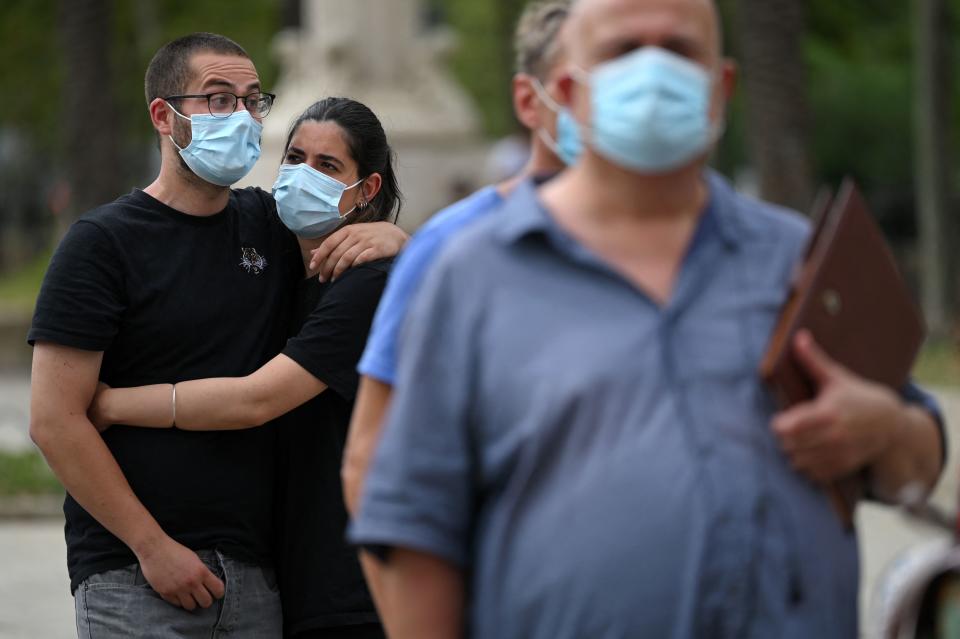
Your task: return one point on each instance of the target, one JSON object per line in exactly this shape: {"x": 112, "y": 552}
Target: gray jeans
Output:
{"x": 120, "y": 603}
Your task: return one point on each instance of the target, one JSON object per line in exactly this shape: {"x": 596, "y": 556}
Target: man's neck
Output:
{"x": 183, "y": 191}
{"x": 641, "y": 225}
{"x": 613, "y": 192}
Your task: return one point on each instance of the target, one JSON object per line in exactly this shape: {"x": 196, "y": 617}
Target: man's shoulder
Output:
{"x": 116, "y": 212}
{"x": 756, "y": 220}
{"x": 252, "y": 195}
{"x": 253, "y": 201}
{"x": 451, "y": 219}
{"x": 474, "y": 251}
{"x": 445, "y": 226}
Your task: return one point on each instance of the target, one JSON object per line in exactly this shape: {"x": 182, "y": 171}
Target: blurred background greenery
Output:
{"x": 827, "y": 89}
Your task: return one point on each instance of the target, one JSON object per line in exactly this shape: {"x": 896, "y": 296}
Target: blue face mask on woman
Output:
{"x": 650, "y": 110}
{"x": 223, "y": 149}
{"x": 308, "y": 201}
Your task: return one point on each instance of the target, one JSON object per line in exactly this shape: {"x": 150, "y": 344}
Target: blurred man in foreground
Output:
{"x": 579, "y": 444}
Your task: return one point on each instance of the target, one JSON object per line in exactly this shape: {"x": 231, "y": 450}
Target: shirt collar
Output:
{"x": 525, "y": 213}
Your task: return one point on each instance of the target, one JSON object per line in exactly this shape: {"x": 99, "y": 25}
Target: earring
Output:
{"x": 362, "y": 206}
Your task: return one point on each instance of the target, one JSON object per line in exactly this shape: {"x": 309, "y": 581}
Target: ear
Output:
{"x": 160, "y": 116}
{"x": 525, "y": 102}
{"x": 371, "y": 186}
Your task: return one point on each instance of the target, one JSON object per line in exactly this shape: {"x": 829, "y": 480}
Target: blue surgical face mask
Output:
{"x": 308, "y": 201}
{"x": 567, "y": 145}
{"x": 650, "y": 111}
{"x": 222, "y": 150}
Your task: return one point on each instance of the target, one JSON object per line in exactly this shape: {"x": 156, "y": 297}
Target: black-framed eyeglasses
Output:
{"x": 223, "y": 104}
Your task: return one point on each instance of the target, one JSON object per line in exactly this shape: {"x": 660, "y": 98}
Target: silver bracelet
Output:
{"x": 173, "y": 402}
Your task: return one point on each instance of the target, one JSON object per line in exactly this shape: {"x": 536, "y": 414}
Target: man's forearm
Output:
{"x": 913, "y": 456}
{"x": 421, "y": 595}
{"x": 373, "y": 399}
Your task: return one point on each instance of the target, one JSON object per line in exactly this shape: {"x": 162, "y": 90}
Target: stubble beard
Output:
{"x": 182, "y": 132}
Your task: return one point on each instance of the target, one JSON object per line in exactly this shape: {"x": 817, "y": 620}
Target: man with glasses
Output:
{"x": 222, "y": 105}
{"x": 184, "y": 279}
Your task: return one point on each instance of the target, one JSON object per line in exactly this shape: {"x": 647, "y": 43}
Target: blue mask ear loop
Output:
{"x": 355, "y": 206}
{"x": 582, "y": 77}
{"x": 177, "y": 113}
{"x": 545, "y": 97}
{"x": 551, "y": 104}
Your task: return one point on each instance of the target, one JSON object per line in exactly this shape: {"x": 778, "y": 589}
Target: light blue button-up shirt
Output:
{"x": 379, "y": 359}
{"x": 602, "y": 466}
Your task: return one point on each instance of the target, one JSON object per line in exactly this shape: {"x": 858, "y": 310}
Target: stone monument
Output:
{"x": 381, "y": 53}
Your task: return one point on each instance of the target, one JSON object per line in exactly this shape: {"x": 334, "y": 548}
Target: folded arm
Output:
{"x": 216, "y": 403}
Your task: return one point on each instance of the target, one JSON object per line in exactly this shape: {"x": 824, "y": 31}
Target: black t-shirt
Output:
{"x": 321, "y": 583}
{"x": 170, "y": 297}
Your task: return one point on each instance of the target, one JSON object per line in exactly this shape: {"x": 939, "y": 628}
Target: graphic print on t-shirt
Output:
{"x": 253, "y": 261}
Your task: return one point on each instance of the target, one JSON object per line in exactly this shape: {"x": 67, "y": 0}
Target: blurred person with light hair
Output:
{"x": 539, "y": 60}
{"x": 579, "y": 443}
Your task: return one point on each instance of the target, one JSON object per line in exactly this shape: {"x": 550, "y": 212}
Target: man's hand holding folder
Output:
{"x": 841, "y": 352}
{"x": 849, "y": 422}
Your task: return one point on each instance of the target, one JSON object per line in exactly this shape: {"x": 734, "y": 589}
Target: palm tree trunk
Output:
{"x": 774, "y": 73}
{"x": 90, "y": 113}
{"x": 931, "y": 150}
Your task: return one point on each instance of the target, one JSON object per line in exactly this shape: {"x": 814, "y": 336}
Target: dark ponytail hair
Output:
{"x": 369, "y": 148}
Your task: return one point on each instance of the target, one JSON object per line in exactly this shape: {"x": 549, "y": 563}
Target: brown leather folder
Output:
{"x": 848, "y": 293}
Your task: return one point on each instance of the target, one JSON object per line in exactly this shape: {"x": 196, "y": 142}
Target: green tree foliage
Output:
{"x": 484, "y": 58}
{"x": 859, "y": 56}
{"x": 32, "y": 58}
{"x": 860, "y": 85}
{"x": 32, "y": 68}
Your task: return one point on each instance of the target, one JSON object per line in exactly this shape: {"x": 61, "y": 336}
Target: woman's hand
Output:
{"x": 356, "y": 244}
{"x": 97, "y": 413}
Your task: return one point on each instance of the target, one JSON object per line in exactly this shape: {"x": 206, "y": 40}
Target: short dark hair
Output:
{"x": 368, "y": 147}
{"x": 169, "y": 71}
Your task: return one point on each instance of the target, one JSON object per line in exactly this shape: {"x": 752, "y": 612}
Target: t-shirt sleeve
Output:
{"x": 82, "y": 299}
{"x": 380, "y": 356}
{"x": 419, "y": 491}
{"x": 332, "y": 339}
